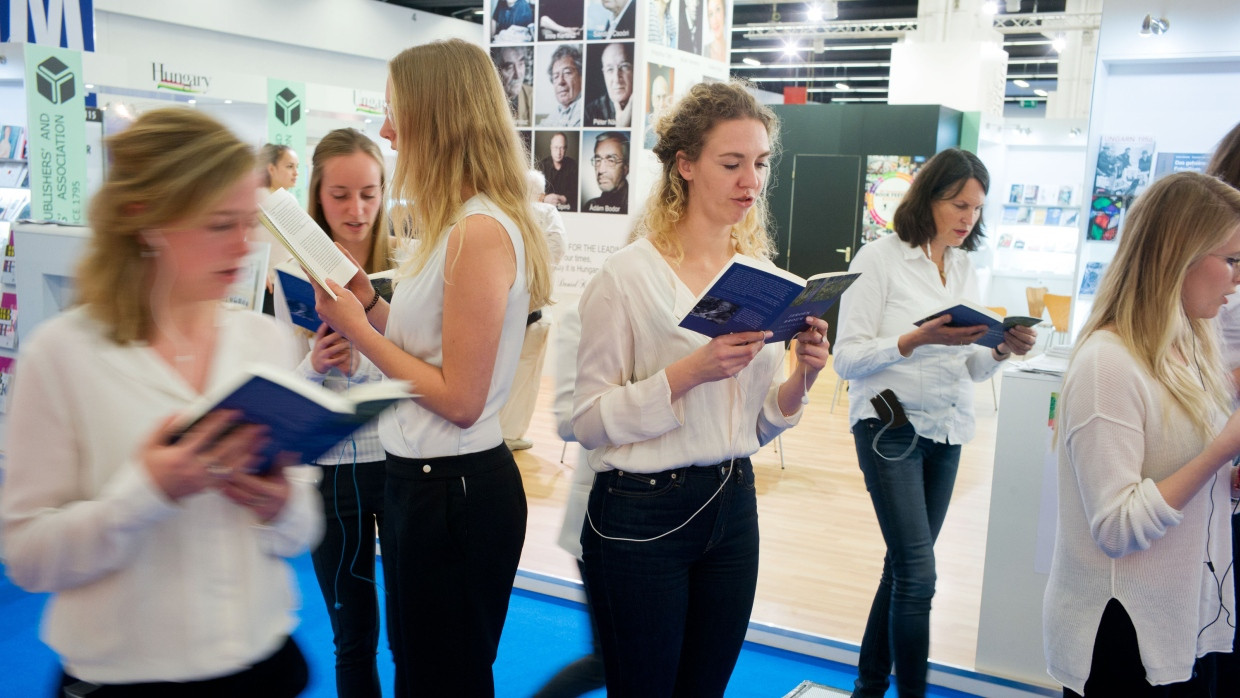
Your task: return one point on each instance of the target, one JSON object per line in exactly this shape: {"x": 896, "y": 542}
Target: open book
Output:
{"x": 305, "y": 240}
{"x": 299, "y": 294}
{"x": 302, "y": 417}
{"x": 748, "y": 296}
{"x": 968, "y": 314}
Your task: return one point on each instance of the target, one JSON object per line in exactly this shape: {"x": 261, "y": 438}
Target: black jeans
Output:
{"x": 910, "y": 498}
{"x": 672, "y": 612}
{"x": 282, "y": 675}
{"x": 453, "y": 529}
{"x": 344, "y": 564}
{"x": 1116, "y": 668}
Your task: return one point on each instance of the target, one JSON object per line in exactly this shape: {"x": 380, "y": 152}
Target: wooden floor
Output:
{"x": 821, "y": 547}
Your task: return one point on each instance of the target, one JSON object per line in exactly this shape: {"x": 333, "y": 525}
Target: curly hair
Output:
{"x": 684, "y": 128}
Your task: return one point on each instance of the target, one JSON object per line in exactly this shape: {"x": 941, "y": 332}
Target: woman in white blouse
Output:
{"x": 1139, "y": 586}
{"x": 910, "y": 464}
{"x": 670, "y": 544}
{"x": 165, "y": 560}
{"x": 454, "y": 509}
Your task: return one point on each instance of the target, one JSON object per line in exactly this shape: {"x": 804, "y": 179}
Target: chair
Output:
{"x": 1001, "y": 311}
{"x": 1036, "y": 295}
{"x": 1059, "y": 308}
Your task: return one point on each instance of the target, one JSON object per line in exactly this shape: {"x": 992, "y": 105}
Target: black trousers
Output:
{"x": 453, "y": 529}
{"x": 1116, "y": 669}
{"x": 282, "y": 675}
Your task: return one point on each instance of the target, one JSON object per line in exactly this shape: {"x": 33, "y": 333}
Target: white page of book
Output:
{"x": 308, "y": 243}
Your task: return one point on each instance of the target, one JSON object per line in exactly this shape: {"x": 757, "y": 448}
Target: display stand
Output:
{"x": 1020, "y": 532}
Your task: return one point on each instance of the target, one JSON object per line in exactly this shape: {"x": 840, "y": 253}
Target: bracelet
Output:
{"x": 1002, "y": 354}
{"x": 373, "y": 301}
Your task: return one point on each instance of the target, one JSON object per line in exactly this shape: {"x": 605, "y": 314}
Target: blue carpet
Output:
{"x": 541, "y": 635}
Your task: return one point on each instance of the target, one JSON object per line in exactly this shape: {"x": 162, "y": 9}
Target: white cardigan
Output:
{"x": 1118, "y": 538}
{"x": 144, "y": 588}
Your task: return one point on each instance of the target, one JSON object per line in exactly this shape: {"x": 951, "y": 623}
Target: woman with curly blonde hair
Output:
{"x": 454, "y": 506}
{"x": 670, "y": 544}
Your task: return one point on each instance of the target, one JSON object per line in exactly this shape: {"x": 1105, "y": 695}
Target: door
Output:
{"x": 825, "y": 221}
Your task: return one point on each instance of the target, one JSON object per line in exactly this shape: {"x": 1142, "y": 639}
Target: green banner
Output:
{"x": 286, "y": 125}
{"x": 56, "y": 121}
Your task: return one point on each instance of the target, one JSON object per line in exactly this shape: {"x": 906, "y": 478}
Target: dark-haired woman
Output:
{"x": 910, "y": 468}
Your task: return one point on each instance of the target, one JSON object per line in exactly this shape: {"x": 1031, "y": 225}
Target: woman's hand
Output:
{"x": 346, "y": 315}
{"x": 936, "y": 331}
{"x": 1018, "y": 340}
{"x": 265, "y": 495}
{"x": 359, "y": 284}
{"x": 720, "y": 358}
{"x": 207, "y": 454}
{"x": 812, "y": 348}
{"x": 330, "y": 351}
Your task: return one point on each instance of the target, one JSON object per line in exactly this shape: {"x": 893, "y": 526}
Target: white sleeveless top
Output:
{"x": 415, "y": 324}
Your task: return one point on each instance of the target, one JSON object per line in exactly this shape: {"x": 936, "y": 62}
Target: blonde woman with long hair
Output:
{"x": 670, "y": 544}
{"x": 454, "y": 512}
{"x": 164, "y": 556}
{"x": 1138, "y": 588}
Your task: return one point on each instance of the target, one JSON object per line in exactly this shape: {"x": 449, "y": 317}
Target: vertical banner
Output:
{"x": 56, "y": 123}
{"x": 286, "y": 125}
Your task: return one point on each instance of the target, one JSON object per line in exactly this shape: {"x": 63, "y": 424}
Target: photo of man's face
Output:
{"x": 559, "y": 146}
{"x": 660, "y": 95}
{"x": 512, "y": 70}
{"x": 566, "y": 80}
{"x": 610, "y": 169}
{"x": 618, "y": 73}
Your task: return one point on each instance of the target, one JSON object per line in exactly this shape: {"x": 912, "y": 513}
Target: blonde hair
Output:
{"x": 684, "y": 128}
{"x": 1179, "y": 220}
{"x": 168, "y": 167}
{"x": 455, "y": 131}
{"x": 340, "y": 143}
{"x": 269, "y": 156}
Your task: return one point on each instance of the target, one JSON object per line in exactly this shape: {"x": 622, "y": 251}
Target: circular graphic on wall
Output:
{"x": 884, "y": 195}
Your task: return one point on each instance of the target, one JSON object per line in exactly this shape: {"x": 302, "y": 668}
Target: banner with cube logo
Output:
{"x": 56, "y": 118}
{"x": 286, "y": 124}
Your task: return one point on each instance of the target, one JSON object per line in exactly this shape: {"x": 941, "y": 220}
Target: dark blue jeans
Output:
{"x": 344, "y": 564}
{"x": 910, "y": 498}
{"x": 672, "y": 612}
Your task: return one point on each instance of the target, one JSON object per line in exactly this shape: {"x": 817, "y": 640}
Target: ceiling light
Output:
{"x": 1040, "y": 93}
{"x": 89, "y": 86}
{"x": 366, "y": 120}
{"x": 790, "y": 48}
{"x": 1012, "y": 5}
{"x": 1020, "y": 83}
{"x": 478, "y": 11}
{"x": 191, "y": 101}
{"x": 990, "y": 8}
{"x": 1058, "y": 43}
{"x": 842, "y": 86}
{"x": 813, "y": 13}
{"x": 749, "y": 60}
{"x": 228, "y": 101}
{"x": 1154, "y": 27}
{"x": 830, "y": 9}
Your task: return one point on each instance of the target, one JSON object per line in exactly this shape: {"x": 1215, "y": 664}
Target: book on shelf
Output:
{"x": 968, "y": 314}
{"x": 13, "y": 173}
{"x": 301, "y": 417}
{"x": 9, "y": 274}
{"x": 299, "y": 294}
{"x": 8, "y": 320}
{"x": 12, "y": 142}
{"x": 747, "y": 296}
{"x": 305, "y": 240}
{"x": 7, "y": 366}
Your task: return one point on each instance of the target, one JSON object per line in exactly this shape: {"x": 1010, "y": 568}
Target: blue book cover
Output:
{"x": 746, "y": 297}
{"x": 301, "y": 417}
{"x": 299, "y": 296}
{"x": 966, "y": 314}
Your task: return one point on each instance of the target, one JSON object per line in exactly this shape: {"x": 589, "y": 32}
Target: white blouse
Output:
{"x": 1119, "y": 434}
{"x": 898, "y": 286}
{"x": 415, "y": 324}
{"x": 623, "y": 409}
{"x": 144, "y": 588}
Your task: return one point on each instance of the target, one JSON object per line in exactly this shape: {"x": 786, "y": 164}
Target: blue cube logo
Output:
{"x": 288, "y": 107}
{"x": 55, "y": 81}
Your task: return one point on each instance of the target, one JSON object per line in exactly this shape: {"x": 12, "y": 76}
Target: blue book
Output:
{"x": 967, "y": 314}
{"x": 299, "y": 295}
{"x": 302, "y": 417}
{"x": 748, "y": 296}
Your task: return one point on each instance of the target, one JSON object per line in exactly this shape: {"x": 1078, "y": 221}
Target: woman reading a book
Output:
{"x": 908, "y": 438}
{"x": 670, "y": 543}
{"x": 278, "y": 169}
{"x": 346, "y": 200}
{"x": 1138, "y": 591}
{"x": 164, "y": 555}
{"x": 454, "y": 511}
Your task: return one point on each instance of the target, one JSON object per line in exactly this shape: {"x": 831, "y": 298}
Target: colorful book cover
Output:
{"x": 1092, "y": 278}
{"x": 7, "y": 366}
{"x": 9, "y": 274}
{"x": 1053, "y": 215}
{"x": 887, "y": 177}
{"x": 1039, "y": 216}
{"x": 1031, "y": 193}
{"x": 8, "y": 320}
